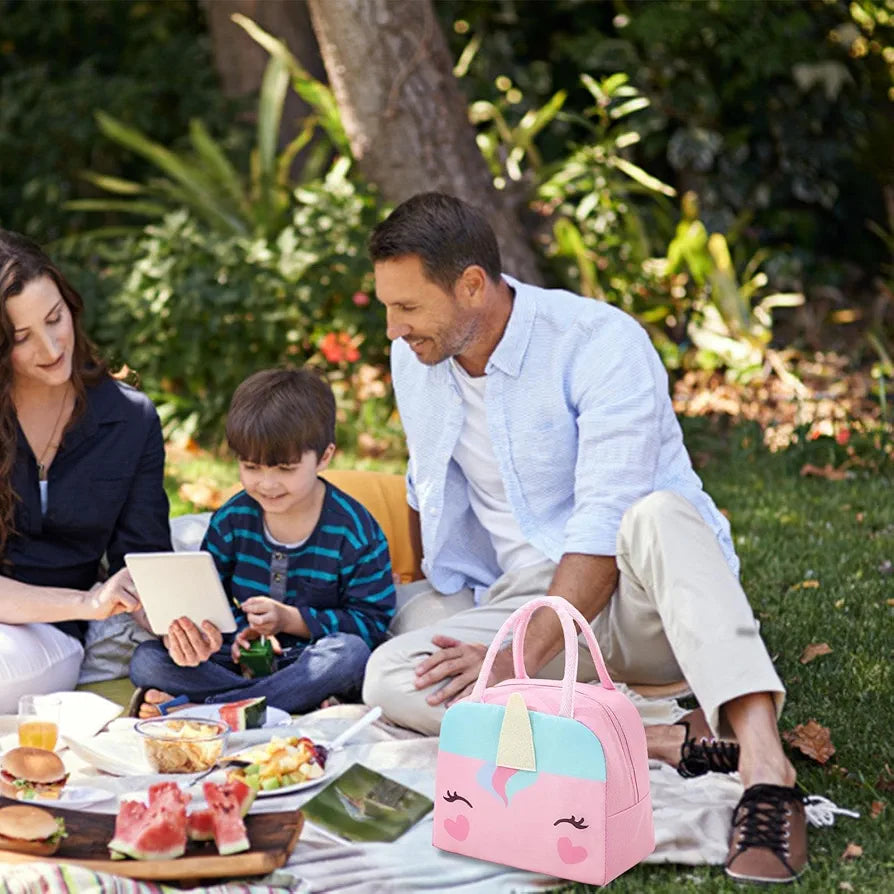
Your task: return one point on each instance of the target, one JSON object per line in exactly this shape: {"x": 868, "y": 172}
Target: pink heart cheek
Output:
{"x": 458, "y": 828}
{"x": 568, "y": 853}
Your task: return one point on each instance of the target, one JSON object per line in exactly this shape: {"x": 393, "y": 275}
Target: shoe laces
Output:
{"x": 761, "y": 817}
{"x": 700, "y": 756}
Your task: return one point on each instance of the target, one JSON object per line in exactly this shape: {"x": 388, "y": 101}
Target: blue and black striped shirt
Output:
{"x": 339, "y": 578}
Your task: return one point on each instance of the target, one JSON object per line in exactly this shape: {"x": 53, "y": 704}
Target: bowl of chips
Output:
{"x": 182, "y": 744}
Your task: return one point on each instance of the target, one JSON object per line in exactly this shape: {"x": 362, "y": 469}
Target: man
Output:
{"x": 545, "y": 457}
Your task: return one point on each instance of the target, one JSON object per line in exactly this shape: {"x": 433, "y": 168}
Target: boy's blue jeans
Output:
{"x": 333, "y": 665}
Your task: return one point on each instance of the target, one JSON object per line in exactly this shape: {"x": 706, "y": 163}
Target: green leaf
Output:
{"x": 313, "y": 92}
{"x": 149, "y": 209}
{"x": 197, "y": 190}
{"x": 113, "y": 184}
{"x": 629, "y": 107}
{"x": 270, "y": 106}
{"x": 640, "y": 176}
{"x": 217, "y": 164}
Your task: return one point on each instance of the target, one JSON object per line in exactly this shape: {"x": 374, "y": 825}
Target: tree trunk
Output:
{"x": 404, "y": 114}
{"x": 240, "y": 62}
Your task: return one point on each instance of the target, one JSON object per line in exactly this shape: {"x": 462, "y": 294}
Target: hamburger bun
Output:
{"x": 35, "y": 768}
{"x": 30, "y": 830}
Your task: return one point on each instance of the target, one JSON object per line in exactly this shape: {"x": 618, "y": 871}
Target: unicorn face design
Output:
{"x": 521, "y": 788}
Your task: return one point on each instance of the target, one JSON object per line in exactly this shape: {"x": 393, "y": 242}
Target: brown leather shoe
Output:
{"x": 769, "y": 835}
{"x": 701, "y": 753}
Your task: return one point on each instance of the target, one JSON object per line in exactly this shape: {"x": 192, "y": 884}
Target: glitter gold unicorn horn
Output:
{"x": 516, "y": 746}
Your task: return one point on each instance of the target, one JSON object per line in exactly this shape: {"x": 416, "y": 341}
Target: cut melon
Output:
{"x": 250, "y": 713}
{"x": 229, "y": 829}
{"x": 149, "y": 833}
{"x": 200, "y": 825}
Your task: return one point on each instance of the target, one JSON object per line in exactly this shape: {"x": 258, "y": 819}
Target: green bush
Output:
{"x": 194, "y": 312}
{"x": 778, "y": 115}
{"x": 147, "y": 63}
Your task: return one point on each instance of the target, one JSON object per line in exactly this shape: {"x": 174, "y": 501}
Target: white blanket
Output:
{"x": 692, "y": 816}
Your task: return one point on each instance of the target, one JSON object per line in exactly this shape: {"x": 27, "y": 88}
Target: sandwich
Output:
{"x": 30, "y": 830}
{"x": 29, "y": 773}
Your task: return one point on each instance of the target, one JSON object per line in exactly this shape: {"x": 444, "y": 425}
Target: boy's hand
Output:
{"x": 266, "y": 616}
{"x": 189, "y": 645}
{"x": 244, "y": 639}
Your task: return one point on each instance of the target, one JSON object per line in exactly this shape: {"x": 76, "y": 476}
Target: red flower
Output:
{"x": 843, "y": 436}
{"x": 361, "y": 299}
{"x": 338, "y": 347}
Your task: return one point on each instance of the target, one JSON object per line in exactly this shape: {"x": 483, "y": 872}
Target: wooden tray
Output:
{"x": 272, "y": 837}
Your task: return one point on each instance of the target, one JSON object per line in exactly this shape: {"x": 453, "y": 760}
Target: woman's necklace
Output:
{"x": 41, "y": 466}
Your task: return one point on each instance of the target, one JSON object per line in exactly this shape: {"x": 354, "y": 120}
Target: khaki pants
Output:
{"x": 678, "y": 612}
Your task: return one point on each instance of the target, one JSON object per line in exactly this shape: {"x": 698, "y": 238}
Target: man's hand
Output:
{"x": 116, "y": 595}
{"x": 189, "y": 645}
{"x": 244, "y": 639}
{"x": 265, "y": 616}
{"x": 459, "y": 663}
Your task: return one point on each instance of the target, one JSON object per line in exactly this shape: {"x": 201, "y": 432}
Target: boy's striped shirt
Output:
{"x": 339, "y": 578}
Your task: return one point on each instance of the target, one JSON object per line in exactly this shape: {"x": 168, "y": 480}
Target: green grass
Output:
{"x": 789, "y": 529}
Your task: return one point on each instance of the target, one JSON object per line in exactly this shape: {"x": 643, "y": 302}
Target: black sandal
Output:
{"x": 700, "y": 755}
{"x": 136, "y": 701}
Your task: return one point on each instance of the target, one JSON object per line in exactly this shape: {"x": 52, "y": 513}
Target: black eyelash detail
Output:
{"x": 450, "y": 797}
{"x": 577, "y": 823}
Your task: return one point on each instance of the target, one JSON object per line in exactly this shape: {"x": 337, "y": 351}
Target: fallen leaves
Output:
{"x": 852, "y": 851}
{"x": 829, "y": 472}
{"x": 805, "y": 585}
{"x": 875, "y": 811}
{"x": 207, "y": 494}
{"x": 814, "y": 650}
{"x": 812, "y": 739}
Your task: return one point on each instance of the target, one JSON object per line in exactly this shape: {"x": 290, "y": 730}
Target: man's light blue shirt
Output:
{"x": 581, "y": 424}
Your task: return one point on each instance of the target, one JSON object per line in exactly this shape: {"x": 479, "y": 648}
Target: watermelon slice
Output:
{"x": 241, "y": 791}
{"x": 168, "y": 793}
{"x": 250, "y": 713}
{"x": 200, "y": 825}
{"x": 150, "y": 833}
{"x": 229, "y": 829}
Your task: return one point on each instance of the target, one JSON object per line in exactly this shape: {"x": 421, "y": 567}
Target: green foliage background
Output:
{"x": 687, "y": 160}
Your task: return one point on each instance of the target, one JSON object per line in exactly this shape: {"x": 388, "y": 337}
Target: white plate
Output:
{"x": 275, "y": 716}
{"x": 74, "y": 797}
{"x": 120, "y": 755}
{"x": 334, "y": 765}
{"x": 84, "y": 714}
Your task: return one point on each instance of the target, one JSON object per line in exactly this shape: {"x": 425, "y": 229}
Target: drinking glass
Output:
{"x": 39, "y": 721}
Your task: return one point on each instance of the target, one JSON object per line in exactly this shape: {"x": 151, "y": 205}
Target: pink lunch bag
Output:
{"x": 546, "y": 775}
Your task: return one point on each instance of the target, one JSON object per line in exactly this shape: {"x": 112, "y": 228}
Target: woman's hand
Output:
{"x": 190, "y": 646}
{"x": 116, "y": 595}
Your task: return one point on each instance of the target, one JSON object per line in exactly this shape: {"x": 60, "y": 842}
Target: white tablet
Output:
{"x": 177, "y": 585}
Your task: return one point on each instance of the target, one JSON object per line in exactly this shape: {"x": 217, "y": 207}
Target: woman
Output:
{"x": 81, "y": 474}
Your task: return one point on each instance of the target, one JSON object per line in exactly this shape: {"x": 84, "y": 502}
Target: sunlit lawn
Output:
{"x": 816, "y": 562}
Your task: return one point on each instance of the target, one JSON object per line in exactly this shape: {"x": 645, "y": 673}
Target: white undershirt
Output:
{"x": 487, "y": 494}
{"x": 276, "y": 542}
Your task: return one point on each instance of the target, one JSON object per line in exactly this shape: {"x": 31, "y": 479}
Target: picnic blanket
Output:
{"x": 691, "y": 822}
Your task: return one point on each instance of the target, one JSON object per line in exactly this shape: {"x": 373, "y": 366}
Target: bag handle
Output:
{"x": 517, "y": 624}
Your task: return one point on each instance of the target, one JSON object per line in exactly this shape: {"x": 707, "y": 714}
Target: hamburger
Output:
{"x": 30, "y": 830}
{"x": 27, "y": 773}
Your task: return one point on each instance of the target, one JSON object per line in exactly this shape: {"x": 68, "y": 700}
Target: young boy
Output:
{"x": 301, "y": 561}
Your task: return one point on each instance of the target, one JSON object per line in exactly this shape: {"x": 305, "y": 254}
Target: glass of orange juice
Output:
{"x": 39, "y": 721}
